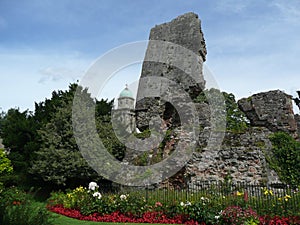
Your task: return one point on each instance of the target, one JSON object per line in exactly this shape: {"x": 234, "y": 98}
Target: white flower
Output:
{"x": 123, "y": 197}
{"x": 204, "y": 199}
{"x": 185, "y": 204}
{"x": 188, "y": 203}
{"x": 93, "y": 186}
{"x": 97, "y": 194}
{"x": 217, "y": 217}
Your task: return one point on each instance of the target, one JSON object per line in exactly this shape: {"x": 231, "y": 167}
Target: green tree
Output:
{"x": 5, "y": 164}
{"x": 236, "y": 120}
{"x": 2, "y": 115}
{"x": 5, "y": 168}
{"x": 19, "y": 133}
{"x": 108, "y": 137}
{"x": 59, "y": 160}
{"x": 286, "y": 157}
{"x": 103, "y": 107}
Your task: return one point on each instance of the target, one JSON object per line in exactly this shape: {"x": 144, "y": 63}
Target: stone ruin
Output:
{"x": 183, "y": 31}
{"x": 242, "y": 156}
{"x": 273, "y": 110}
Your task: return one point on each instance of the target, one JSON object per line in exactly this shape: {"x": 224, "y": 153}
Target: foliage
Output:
{"x": 239, "y": 216}
{"x": 5, "y": 164}
{"x": 118, "y": 217}
{"x": 103, "y": 107}
{"x": 58, "y": 160}
{"x": 6, "y": 169}
{"x": 19, "y": 136}
{"x": 41, "y": 144}
{"x": 27, "y": 214}
{"x": 236, "y": 120}
{"x": 212, "y": 206}
{"x": 18, "y": 208}
{"x": 108, "y": 137}
{"x": 11, "y": 196}
{"x": 64, "y": 220}
{"x": 286, "y": 157}
{"x": 2, "y": 115}
{"x": 278, "y": 220}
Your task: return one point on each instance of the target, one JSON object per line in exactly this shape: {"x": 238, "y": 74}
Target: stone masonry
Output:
{"x": 179, "y": 66}
{"x": 241, "y": 156}
{"x": 272, "y": 109}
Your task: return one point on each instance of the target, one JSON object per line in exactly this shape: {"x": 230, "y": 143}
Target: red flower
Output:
{"x": 117, "y": 217}
{"x": 16, "y": 203}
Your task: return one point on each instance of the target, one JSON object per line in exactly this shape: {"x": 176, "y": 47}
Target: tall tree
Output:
{"x": 18, "y": 133}
{"x": 236, "y": 120}
{"x": 59, "y": 160}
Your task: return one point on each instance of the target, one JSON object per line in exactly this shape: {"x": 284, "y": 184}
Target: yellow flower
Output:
{"x": 267, "y": 191}
{"x": 239, "y": 193}
{"x": 287, "y": 197}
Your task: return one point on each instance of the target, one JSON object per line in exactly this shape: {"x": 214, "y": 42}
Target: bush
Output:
{"x": 209, "y": 206}
{"x": 26, "y": 214}
{"x": 11, "y": 196}
{"x": 238, "y": 216}
{"x": 18, "y": 208}
{"x": 286, "y": 158}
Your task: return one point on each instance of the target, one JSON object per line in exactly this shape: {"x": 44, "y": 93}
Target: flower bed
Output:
{"x": 89, "y": 204}
{"x": 117, "y": 217}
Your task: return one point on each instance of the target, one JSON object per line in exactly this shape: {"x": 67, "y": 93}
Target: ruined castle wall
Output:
{"x": 176, "y": 53}
{"x": 272, "y": 109}
{"x": 242, "y": 158}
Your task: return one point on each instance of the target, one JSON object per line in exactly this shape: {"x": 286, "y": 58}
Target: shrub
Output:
{"x": 238, "y": 216}
{"x": 26, "y": 214}
{"x": 286, "y": 158}
{"x": 11, "y": 196}
{"x": 18, "y": 208}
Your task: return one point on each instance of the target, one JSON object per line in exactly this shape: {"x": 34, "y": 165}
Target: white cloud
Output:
{"x": 29, "y": 76}
{"x": 58, "y": 73}
{"x": 232, "y": 6}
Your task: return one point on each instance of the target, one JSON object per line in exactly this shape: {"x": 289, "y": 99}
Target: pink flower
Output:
{"x": 158, "y": 204}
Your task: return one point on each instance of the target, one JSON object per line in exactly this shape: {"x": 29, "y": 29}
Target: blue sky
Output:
{"x": 253, "y": 45}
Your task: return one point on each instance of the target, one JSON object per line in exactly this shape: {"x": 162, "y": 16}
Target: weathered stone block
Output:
{"x": 272, "y": 109}
{"x": 176, "y": 52}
